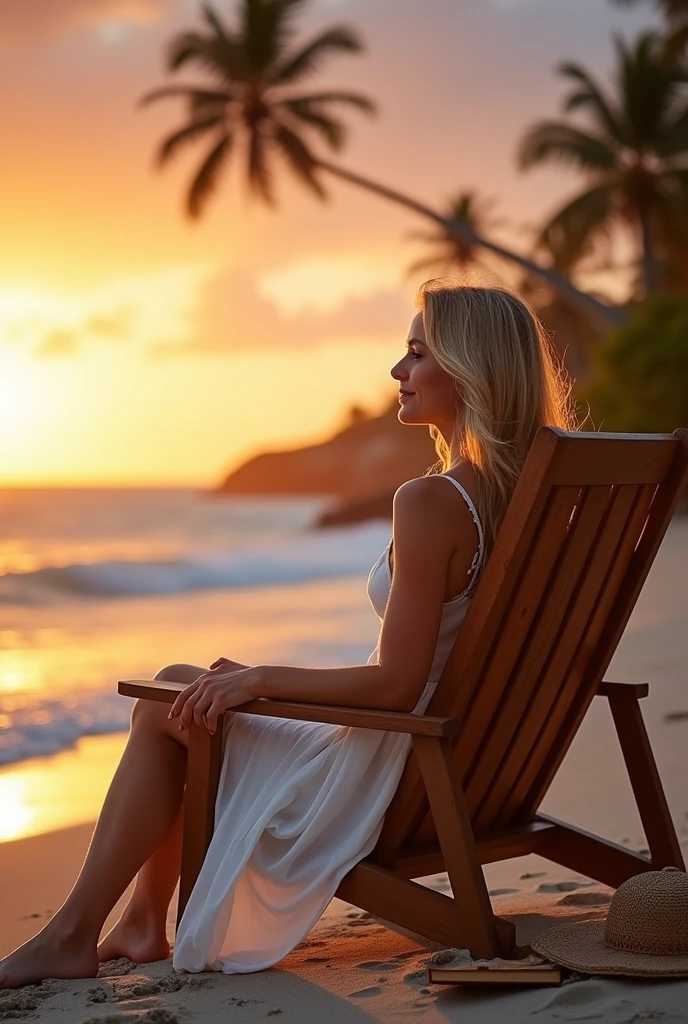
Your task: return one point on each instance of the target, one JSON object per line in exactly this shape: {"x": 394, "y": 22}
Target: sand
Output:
{"x": 352, "y": 967}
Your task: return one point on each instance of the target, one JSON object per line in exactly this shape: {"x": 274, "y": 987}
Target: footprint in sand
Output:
{"x": 532, "y": 874}
{"x": 561, "y": 886}
{"x": 141, "y": 987}
{"x": 374, "y": 965}
{"x": 407, "y": 955}
{"x": 585, "y": 899}
{"x": 365, "y": 993}
{"x": 502, "y": 892}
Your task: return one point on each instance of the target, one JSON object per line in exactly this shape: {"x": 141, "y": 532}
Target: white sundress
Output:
{"x": 298, "y": 805}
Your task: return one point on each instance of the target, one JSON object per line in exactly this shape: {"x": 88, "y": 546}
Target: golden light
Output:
{"x": 16, "y": 817}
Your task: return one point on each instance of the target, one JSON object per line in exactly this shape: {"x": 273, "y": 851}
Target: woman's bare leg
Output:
{"x": 141, "y": 932}
{"x": 139, "y": 812}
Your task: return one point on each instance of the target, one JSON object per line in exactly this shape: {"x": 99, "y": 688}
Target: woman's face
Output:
{"x": 426, "y": 391}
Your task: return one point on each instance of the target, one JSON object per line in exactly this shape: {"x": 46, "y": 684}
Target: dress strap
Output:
{"x": 476, "y": 519}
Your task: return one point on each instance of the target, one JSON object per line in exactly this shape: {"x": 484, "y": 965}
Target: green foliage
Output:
{"x": 640, "y": 376}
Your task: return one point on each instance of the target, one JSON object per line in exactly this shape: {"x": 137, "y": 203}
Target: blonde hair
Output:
{"x": 509, "y": 381}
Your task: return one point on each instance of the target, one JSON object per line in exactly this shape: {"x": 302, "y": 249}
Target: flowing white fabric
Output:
{"x": 298, "y": 805}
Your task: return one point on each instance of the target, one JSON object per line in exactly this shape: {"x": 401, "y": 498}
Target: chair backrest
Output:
{"x": 575, "y": 546}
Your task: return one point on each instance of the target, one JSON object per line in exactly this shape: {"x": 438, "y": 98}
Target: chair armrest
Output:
{"x": 361, "y": 718}
{"x": 636, "y": 691}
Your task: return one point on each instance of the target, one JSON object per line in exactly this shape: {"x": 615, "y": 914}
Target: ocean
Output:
{"x": 100, "y": 584}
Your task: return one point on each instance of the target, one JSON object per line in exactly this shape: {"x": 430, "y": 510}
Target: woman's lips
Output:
{"x": 405, "y": 394}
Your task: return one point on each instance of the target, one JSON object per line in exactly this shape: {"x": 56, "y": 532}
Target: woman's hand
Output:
{"x": 212, "y": 693}
{"x": 227, "y": 665}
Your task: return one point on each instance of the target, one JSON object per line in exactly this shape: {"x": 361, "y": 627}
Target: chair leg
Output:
{"x": 477, "y": 927}
{"x": 646, "y": 783}
{"x": 204, "y": 761}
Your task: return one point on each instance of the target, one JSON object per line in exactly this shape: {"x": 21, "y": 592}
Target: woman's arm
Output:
{"x": 424, "y": 532}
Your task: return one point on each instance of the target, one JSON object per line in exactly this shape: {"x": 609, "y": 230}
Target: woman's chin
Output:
{"x": 405, "y": 416}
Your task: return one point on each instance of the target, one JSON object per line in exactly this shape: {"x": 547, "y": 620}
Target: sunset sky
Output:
{"x": 136, "y": 347}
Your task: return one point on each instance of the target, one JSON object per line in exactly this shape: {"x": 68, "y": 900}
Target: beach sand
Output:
{"x": 352, "y": 967}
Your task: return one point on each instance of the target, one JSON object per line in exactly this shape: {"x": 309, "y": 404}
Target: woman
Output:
{"x": 300, "y": 803}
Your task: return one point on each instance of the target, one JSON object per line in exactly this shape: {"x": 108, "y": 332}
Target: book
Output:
{"x": 499, "y": 972}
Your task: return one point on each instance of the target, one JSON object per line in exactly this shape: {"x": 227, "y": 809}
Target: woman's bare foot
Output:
{"x": 48, "y": 956}
{"x": 138, "y": 940}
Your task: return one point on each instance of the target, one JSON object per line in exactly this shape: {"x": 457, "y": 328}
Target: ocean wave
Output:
{"x": 48, "y": 726}
{"x": 297, "y": 559}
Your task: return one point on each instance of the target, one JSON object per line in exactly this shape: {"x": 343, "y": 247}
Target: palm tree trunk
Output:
{"x": 461, "y": 230}
{"x": 650, "y": 268}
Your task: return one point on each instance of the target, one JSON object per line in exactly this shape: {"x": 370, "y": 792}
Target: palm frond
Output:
{"x": 572, "y": 230}
{"x": 199, "y": 98}
{"x": 206, "y": 181}
{"x": 332, "y": 130}
{"x": 266, "y": 27}
{"x": 673, "y": 141}
{"x": 339, "y": 39}
{"x": 189, "y": 133}
{"x": 299, "y": 158}
{"x": 559, "y": 142}
{"x": 354, "y": 99}
{"x": 589, "y": 95}
{"x": 676, "y": 42}
{"x": 217, "y": 51}
{"x": 259, "y": 174}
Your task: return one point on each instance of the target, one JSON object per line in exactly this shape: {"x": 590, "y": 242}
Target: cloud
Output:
{"x": 58, "y": 343}
{"x": 231, "y": 315}
{"x": 66, "y": 341}
{"x": 32, "y": 20}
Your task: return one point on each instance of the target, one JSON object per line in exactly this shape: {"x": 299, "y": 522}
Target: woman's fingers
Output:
{"x": 203, "y": 703}
{"x": 176, "y": 708}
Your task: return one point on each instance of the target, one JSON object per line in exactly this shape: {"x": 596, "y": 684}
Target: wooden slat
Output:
{"x": 491, "y": 776}
{"x": 204, "y": 761}
{"x": 517, "y": 841}
{"x": 568, "y": 669}
{"x": 491, "y": 693}
{"x": 630, "y": 691}
{"x": 404, "y": 903}
{"x": 476, "y": 636}
{"x": 647, "y": 787}
{"x": 614, "y": 610}
{"x": 361, "y": 718}
{"x": 597, "y": 459}
{"x": 589, "y": 854}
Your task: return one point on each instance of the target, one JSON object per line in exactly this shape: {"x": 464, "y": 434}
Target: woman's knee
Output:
{"x": 180, "y": 673}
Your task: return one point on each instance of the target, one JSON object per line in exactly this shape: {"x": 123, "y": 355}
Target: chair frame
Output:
{"x": 434, "y": 798}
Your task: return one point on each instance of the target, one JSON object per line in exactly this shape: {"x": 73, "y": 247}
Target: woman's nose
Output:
{"x": 397, "y": 372}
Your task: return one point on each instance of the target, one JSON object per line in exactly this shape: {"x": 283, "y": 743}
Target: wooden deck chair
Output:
{"x": 578, "y": 539}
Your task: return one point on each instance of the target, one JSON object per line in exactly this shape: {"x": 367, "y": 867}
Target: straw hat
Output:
{"x": 646, "y": 931}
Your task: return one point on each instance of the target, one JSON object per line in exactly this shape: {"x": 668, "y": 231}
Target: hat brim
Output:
{"x": 580, "y": 947}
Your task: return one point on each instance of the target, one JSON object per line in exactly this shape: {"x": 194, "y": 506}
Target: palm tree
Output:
{"x": 448, "y": 251}
{"x": 634, "y": 154}
{"x": 249, "y": 100}
{"x": 676, "y": 14}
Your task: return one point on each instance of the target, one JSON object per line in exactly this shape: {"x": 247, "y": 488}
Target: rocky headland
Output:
{"x": 360, "y": 466}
